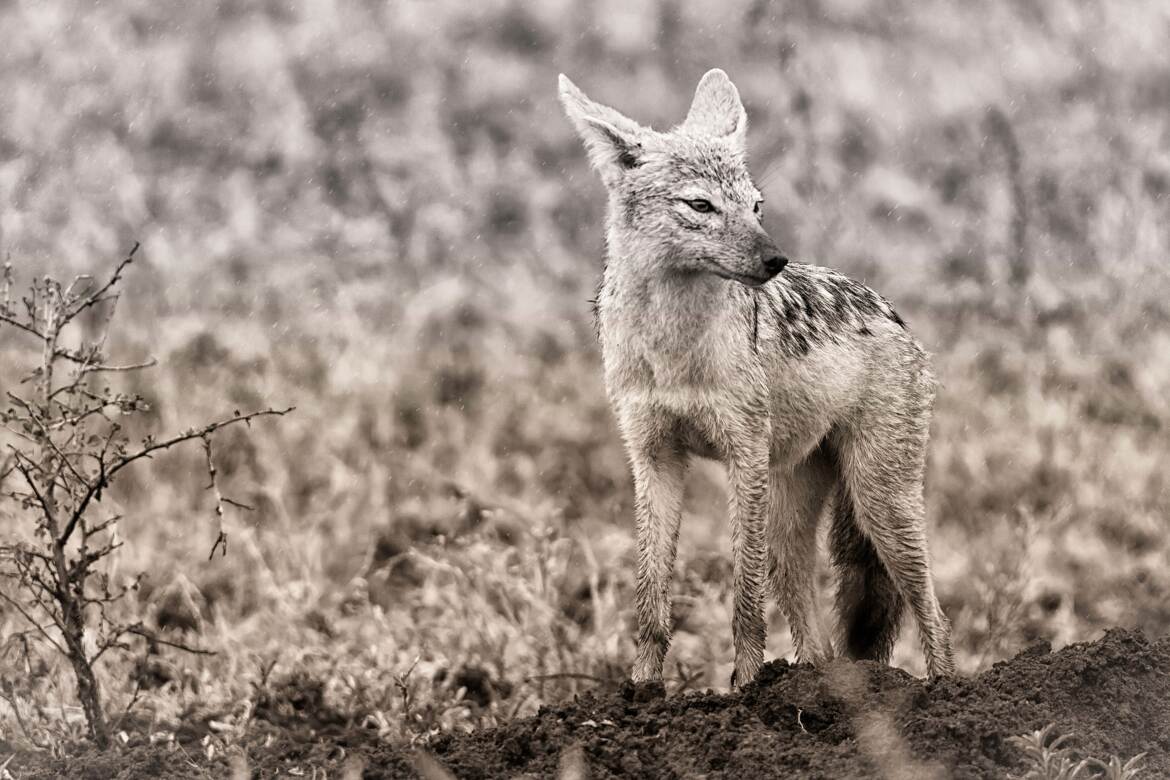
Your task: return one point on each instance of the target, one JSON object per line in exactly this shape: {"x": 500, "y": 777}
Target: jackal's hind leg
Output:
{"x": 883, "y": 474}
{"x": 869, "y": 606}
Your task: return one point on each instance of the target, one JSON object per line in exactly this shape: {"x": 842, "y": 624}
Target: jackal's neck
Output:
{"x": 644, "y": 300}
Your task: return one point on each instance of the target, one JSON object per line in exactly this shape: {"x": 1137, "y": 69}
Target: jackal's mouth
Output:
{"x": 745, "y": 279}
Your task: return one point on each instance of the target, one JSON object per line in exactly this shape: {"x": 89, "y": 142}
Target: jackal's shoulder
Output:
{"x": 832, "y": 296}
{"x": 809, "y": 305}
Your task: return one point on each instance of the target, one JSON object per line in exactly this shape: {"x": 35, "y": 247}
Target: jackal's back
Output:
{"x": 808, "y": 306}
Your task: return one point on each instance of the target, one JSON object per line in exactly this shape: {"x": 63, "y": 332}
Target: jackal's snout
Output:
{"x": 772, "y": 260}
{"x": 774, "y": 264}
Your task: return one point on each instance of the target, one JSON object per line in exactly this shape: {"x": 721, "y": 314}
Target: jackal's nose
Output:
{"x": 774, "y": 264}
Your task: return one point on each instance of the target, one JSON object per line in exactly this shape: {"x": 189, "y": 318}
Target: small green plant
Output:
{"x": 67, "y": 442}
{"x": 1049, "y": 758}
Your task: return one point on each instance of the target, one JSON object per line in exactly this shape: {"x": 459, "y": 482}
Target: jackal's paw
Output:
{"x": 646, "y": 671}
{"x": 642, "y": 692}
{"x": 743, "y": 674}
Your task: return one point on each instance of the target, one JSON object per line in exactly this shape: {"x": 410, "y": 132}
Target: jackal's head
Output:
{"x": 683, "y": 197}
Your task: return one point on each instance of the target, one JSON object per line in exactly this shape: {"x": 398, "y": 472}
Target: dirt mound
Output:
{"x": 851, "y": 720}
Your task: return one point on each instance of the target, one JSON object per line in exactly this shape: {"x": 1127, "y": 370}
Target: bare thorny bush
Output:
{"x": 69, "y": 441}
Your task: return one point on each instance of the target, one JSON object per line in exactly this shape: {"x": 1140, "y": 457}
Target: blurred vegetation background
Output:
{"x": 376, "y": 211}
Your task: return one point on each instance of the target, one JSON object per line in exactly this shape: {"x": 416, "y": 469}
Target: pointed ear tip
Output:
{"x": 716, "y": 74}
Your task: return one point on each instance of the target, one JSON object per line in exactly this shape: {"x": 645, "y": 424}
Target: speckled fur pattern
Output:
{"x": 804, "y": 383}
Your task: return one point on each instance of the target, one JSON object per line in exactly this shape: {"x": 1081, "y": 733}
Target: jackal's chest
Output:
{"x": 696, "y": 388}
{"x": 679, "y": 365}
{"x": 676, "y": 371}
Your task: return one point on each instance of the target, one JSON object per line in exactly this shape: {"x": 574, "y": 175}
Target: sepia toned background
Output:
{"x": 376, "y": 212}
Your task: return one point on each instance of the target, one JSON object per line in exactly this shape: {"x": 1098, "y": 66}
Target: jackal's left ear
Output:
{"x": 717, "y": 109}
{"x": 614, "y": 141}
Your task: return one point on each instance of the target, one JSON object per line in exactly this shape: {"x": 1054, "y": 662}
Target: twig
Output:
{"x": 401, "y": 680}
{"x": 190, "y": 761}
{"x": 9, "y": 319}
{"x": 149, "y": 450}
{"x": 28, "y": 478}
{"x": 684, "y": 678}
{"x": 130, "y": 704}
{"x": 94, "y": 298}
{"x": 105, "y": 368}
{"x": 213, "y": 486}
{"x": 139, "y": 630}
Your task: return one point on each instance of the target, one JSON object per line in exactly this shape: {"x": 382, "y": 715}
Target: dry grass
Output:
{"x": 377, "y": 212}
{"x": 1048, "y": 757}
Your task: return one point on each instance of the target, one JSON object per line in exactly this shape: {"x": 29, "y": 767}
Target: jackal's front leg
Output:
{"x": 748, "y": 483}
{"x": 658, "y": 488}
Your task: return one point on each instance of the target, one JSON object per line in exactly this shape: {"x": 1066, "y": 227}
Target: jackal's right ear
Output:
{"x": 614, "y": 142}
{"x": 717, "y": 109}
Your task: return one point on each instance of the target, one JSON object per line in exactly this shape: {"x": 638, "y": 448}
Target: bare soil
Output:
{"x": 850, "y": 720}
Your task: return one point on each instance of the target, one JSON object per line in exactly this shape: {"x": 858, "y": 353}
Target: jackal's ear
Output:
{"x": 717, "y": 109}
{"x": 614, "y": 142}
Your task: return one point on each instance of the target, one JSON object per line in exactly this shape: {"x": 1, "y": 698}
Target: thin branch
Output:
{"x": 114, "y": 643}
{"x": 31, "y": 483}
{"x": 47, "y": 437}
{"x": 213, "y": 485}
{"x": 210, "y": 428}
{"x": 139, "y": 630}
{"x": 220, "y": 543}
{"x": 47, "y": 597}
{"x": 103, "y": 525}
{"x": 82, "y": 415}
{"x": 6, "y": 467}
{"x": 76, "y": 388}
{"x": 88, "y": 361}
{"x": 104, "y": 368}
{"x": 70, "y": 292}
{"x": 32, "y": 621}
{"x": 19, "y": 435}
{"x": 92, "y": 299}
{"x": 97, "y": 296}
{"x": 81, "y": 566}
{"x": 21, "y": 325}
{"x": 130, "y": 704}
{"x": 13, "y": 551}
{"x": 109, "y": 472}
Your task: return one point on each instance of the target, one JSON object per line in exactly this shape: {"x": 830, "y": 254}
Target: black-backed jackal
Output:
{"x": 804, "y": 383}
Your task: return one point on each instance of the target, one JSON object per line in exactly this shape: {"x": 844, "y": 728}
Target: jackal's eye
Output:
{"x": 758, "y": 208}
{"x": 700, "y": 205}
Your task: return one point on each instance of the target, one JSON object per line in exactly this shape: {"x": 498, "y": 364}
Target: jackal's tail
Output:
{"x": 869, "y": 607}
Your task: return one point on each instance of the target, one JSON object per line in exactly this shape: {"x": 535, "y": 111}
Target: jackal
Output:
{"x": 803, "y": 382}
